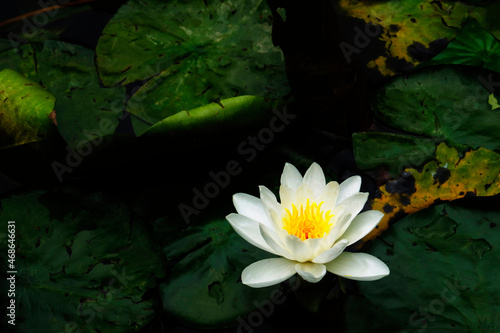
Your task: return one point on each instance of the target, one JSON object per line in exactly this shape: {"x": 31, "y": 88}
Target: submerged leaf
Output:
{"x": 83, "y": 263}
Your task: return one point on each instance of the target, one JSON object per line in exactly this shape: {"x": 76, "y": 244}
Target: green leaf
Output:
{"x": 22, "y": 60}
{"x": 192, "y": 53}
{"x": 85, "y": 110}
{"x": 392, "y": 151}
{"x": 493, "y": 102}
{"x": 83, "y": 263}
{"x": 204, "y": 288}
{"x": 474, "y": 46}
{"x": 444, "y": 103}
{"x": 443, "y": 273}
{"x": 236, "y": 111}
{"x": 24, "y": 110}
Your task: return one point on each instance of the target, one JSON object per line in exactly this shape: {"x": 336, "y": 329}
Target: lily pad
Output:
{"x": 410, "y": 32}
{"x": 391, "y": 151}
{"x": 442, "y": 274}
{"x": 474, "y": 46}
{"x": 236, "y": 111}
{"x": 85, "y": 110}
{"x": 24, "y": 110}
{"x": 21, "y": 59}
{"x": 191, "y": 53}
{"x": 447, "y": 178}
{"x": 444, "y": 103}
{"x": 83, "y": 263}
{"x": 204, "y": 288}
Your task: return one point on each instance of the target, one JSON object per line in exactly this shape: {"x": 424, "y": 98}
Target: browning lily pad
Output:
{"x": 447, "y": 178}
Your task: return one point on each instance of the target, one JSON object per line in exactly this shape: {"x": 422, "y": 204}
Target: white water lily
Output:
{"x": 309, "y": 229}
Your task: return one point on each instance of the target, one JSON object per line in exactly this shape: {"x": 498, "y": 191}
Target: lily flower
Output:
{"x": 308, "y": 230}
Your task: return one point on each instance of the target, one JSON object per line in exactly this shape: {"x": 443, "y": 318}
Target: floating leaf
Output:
{"x": 24, "y": 110}
{"x": 444, "y": 103}
{"x": 392, "y": 151}
{"x": 80, "y": 262}
{"x": 192, "y": 54}
{"x": 204, "y": 289}
{"x": 236, "y": 111}
{"x": 443, "y": 273}
{"x": 411, "y": 31}
{"x": 22, "y": 60}
{"x": 447, "y": 178}
{"x": 474, "y": 46}
{"x": 85, "y": 110}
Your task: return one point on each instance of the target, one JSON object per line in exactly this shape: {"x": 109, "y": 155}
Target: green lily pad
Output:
{"x": 392, "y": 151}
{"x": 83, "y": 263}
{"x": 204, "y": 288}
{"x": 236, "y": 111}
{"x": 85, "y": 110}
{"x": 24, "y": 110}
{"x": 443, "y": 273}
{"x": 21, "y": 59}
{"x": 444, "y": 103}
{"x": 191, "y": 53}
{"x": 474, "y": 46}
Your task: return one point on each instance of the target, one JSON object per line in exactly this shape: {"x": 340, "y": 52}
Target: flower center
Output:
{"x": 307, "y": 222}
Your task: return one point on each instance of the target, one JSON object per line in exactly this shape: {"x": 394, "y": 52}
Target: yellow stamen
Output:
{"x": 308, "y": 222}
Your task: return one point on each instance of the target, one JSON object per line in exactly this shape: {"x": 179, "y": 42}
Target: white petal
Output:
{"x": 268, "y": 198}
{"x": 315, "y": 179}
{"x": 349, "y": 187}
{"x": 302, "y": 251}
{"x": 361, "y": 225}
{"x": 249, "y": 230}
{"x": 304, "y": 192}
{"x": 338, "y": 220}
{"x": 331, "y": 253}
{"x": 358, "y": 266}
{"x": 273, "y": 208}
{"x": 274, "y": 242}
{"x": 288, "y": 196}
{"x": 291, "y": 177}
{"x": 329, "y": 196}
{"x": 352, "y": 206}
{"x": 311, "y": 272}
{"x": 267, "y": 272}
{"x": 251, "y": 207}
